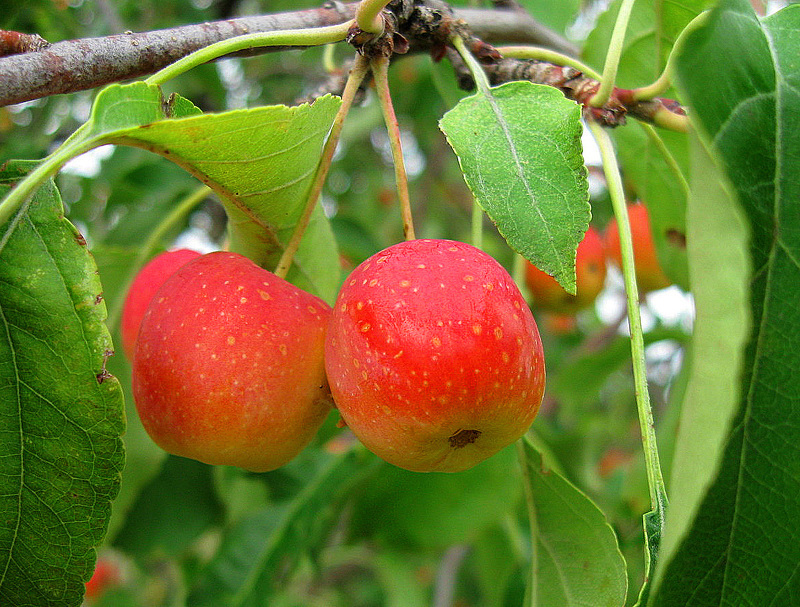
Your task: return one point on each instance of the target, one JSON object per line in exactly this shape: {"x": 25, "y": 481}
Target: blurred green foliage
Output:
{"x": 173, "y": 517}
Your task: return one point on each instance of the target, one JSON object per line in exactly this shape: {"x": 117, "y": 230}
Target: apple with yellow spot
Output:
{"x": 433, "y": 356}
{"x": 144, "y": 286}
{"x": 590, "y": 276}
{"x": 228, "y": 367}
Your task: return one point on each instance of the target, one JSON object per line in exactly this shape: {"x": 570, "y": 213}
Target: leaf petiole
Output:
{"x": 601, "y": 97}
{"x": 664, "y": 81}
{"x": 300, "y": 37}
{"x": 655, "y": 480}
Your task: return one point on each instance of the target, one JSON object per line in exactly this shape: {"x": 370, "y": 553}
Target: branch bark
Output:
{"x": 75, "y": 65}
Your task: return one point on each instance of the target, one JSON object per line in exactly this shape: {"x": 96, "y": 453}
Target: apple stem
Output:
{"x": 357, "y": 74}
{"x": 603, "y": 94}
{"x": 380, "y": 69}
{"x": 655, "y": 480}
{"x": 176, "y": 217}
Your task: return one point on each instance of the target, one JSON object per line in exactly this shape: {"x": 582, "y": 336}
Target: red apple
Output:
{"x": 433, "y": 356}
{"x": 106, "y": 575}
{"x": 142, "y": 289}
{"x": 228, "y": 366}
{"x": 649, "y": 275}
{"x": 590, "y": 276}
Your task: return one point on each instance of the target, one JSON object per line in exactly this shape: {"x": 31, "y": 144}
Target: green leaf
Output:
{"x": 436, "y": 510}
{"x": 578, "y": 381}
{"x": 520, "y": 152}
{"x": 60, "y": 453}
{"x": 731, "y": 537}
{"x": 143, "y": 457}
{"x": 557, "y": 15}
{"x": 259, "y": 161}
{"x": 652, "y": 30}
{"x": 576, "y": 558}
{"x": 264, "y": 547}
{"x": 171, "y": 511}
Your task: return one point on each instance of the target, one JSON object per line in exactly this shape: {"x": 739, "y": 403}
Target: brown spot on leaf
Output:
{"x": 676, "y": 238}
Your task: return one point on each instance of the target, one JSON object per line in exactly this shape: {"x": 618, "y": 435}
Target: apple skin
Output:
{"x": 649, "y": 275}
{"x": 433, "y": 356}
{"x": 590, "y": 276}
{"x": 229, "y": 365}
{"x": 142, "y": 289}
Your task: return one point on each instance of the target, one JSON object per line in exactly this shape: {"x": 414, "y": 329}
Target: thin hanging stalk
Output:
{"x": 354, "y": 80}
{"x": 655, "y": 480}
{"x": 380, "y": 69}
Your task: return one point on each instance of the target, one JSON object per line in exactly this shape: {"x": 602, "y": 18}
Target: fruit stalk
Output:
{"x": 655, "y": 480}
{"x": 360, "y": 67}
{"x": 380, "y": 69}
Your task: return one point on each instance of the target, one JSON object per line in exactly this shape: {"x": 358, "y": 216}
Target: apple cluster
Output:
{"x": 430, "y": 354}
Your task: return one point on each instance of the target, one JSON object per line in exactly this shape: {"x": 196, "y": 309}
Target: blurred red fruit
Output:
{"x": 590, "y": 276}
{"x": 649, "y": 275}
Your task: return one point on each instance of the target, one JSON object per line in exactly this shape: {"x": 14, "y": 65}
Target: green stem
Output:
{"x": 354, "y": 80}
{"x": 328, "y": 60}
{"x": 380, "y": 70}
{"x": 668, "y": 158}
{"x": 481, "y": 81}
{"x": 48, "y": 167}
{"x": 664, "y": 81}
{"x": 601, "y": 97}
{"x": 655, "y": 480}
{"x": 304, "y": 37}
{"x": 540, "y": 53}
{"x": 175, "y": 218}
{"x": 368, "y": 16}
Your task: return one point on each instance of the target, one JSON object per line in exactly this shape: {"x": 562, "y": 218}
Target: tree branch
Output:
{"x": 75, "y": 65}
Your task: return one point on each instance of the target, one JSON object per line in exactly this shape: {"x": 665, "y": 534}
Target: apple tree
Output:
{"x": 336, "y": 393}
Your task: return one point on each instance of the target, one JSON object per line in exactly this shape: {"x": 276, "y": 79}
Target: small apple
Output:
{"x": 590, "y": 276}
{"x": 228, "y": 366}
{"x": 649, "y": 275}
{"x": 433, "y": 356}
{"x": 142, "y": 289}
